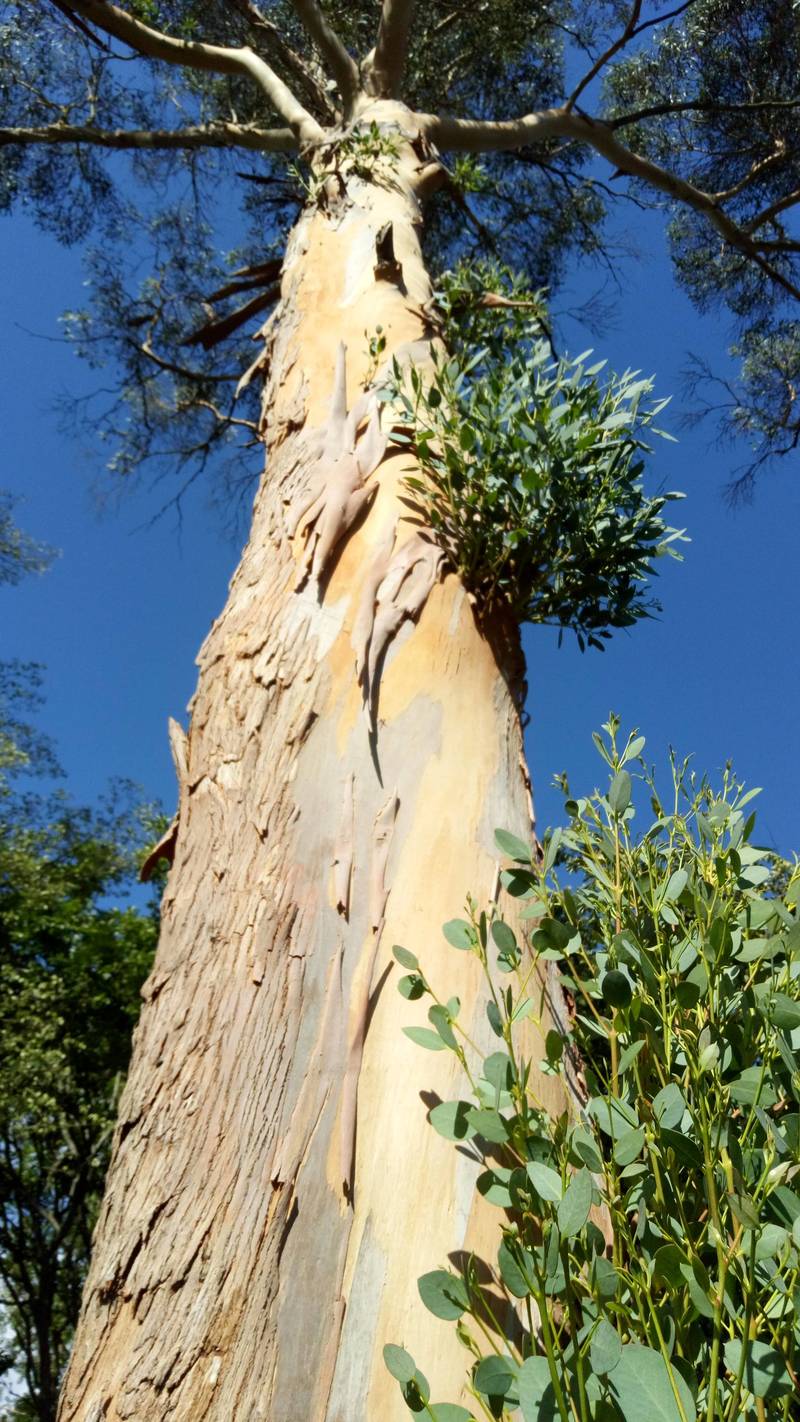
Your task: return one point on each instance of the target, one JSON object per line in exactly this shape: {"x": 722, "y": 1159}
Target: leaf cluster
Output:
{"x": 73, "y": 955}
{"x": 531, "y": 474}
{"x": 650, "y": 1250}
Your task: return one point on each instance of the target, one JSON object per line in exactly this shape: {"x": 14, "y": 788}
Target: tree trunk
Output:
{"x": 275, "y": 1190}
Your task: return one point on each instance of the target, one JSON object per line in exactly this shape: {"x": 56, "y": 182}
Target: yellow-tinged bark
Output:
{"x": 275, "y": 1190}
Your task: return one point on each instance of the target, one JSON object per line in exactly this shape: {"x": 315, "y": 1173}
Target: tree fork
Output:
{"x": 274, "y": 1190}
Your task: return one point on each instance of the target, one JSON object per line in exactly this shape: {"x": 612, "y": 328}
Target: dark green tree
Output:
{"x": 72, "y": 960}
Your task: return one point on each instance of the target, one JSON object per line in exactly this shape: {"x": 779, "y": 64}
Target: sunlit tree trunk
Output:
{"x": 275, "y": 1190}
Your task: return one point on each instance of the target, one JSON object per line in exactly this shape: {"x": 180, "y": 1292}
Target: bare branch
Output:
{"x": 780, "y": 205}
{"x": 201, "y": 376}
{"x": 627, "y": 34}
{"x": 388, "y": 59}
{"x": 631, "y": 31}
{"x": 221, "y": 327}
{"x": 248, "y": 278}
{"x": 756, "y": 171}
{"x": 779, "y": 244}
{"x": 226, "y": 419}
{"x": 342, "y": 66}
{"x": 699, "y": 106}
{"x": 292, "y": 62}
{"x": 193, "y": 54}
{"x": 214, "y": 135}
{"x": 476, "y": 136}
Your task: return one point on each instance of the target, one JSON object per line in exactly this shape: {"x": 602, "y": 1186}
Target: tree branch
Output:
{"x": 342, "y": 66}
{"x": 629, "y": 31}
{"x": 193, "y": 54}
{"x": 388, "y": 59}
{"x": 216, "y": 135}
{"x": 476, "y": 136}
{"x": 780, "y": 205}
{"x": 219, "y": 328}
{"x": 200, "y": 376}
{"x": 700, "y": 106}
{"x": 292, "y": 62}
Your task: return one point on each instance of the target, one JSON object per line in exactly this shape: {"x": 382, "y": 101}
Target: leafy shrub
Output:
{"x": 531, "y": 468}
{"x": 651, "y": 1236}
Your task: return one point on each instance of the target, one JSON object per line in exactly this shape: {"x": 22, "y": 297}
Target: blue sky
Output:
{"x": 119, "y": 618}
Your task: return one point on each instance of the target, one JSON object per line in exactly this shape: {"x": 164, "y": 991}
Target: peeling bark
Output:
{"x": 275, "y": 1190}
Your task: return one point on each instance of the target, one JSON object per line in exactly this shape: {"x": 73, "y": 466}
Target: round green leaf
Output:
{"x": 439, "y": 1018}
{"x": 443, "y": 1294}
{"x": 605, "y": 1278}
{"x": 546, "y": 1182}
{"x": 489, "y": 1124}
{"x": 552, "y": 934}
{"x": 667, "y": 1263}
{"x": 401, "y": 1365}
{"x": 644, "y": 1388}
{"x": 511, "y": 1272}
{"x": 669, "y": 1106}
{"x": 536, "y": 1395}
{"x": 573, "y": 1209}
{"x": 404, "y": 958}
{"x": 584, "y": 1145}
{"x": 494, "y": 1376}
{"x": 498, "y": 1070}
{"x": 512, "y": 846}
{"x": 613, "y": 1116}
{"x": 459, "y": 933}
{"x": 616, "y": 989}
{"x": 765, "y": 1372}
{"x": 451, "y": 1120}
{"x": 411, "y": 986}
{"x": 605, "y": 1349}
{"x": 448, "y": 1412}
{"x": 504, "y": 936}
{"x": 424, "y": 1037}
{"x": 416, "y": 1392}
{"x": 628, "y": 1147}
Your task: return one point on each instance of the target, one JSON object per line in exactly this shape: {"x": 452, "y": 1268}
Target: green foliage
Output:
{"x": 700, "y": 74}
{"x": 707, "y": 90}
{"x": 72, "y": 959}
{"x": 22, "y": 747}
{"x": 532, "y": 470}
{"x": 681, "y": 1057}
{"x": 19, "y": 553}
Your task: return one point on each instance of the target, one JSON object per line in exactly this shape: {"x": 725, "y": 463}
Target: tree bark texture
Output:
{"x": 275, "y": 1190}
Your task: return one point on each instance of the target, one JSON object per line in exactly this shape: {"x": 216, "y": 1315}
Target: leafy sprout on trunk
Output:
{"x": 532, "y": 467}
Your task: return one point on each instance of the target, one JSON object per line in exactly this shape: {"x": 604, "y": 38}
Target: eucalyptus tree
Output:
{"x": 355, "y": 734}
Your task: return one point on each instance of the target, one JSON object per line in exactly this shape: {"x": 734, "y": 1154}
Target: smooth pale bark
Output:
{"x": 275, "y": 1189}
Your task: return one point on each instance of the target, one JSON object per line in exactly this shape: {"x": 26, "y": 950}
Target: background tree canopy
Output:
{"x": 689, "y": 107}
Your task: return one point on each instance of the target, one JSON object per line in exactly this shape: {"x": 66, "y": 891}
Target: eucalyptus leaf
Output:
{"x": 606, "y": 1348}
{"x": 545, "y": 1181}
{"x": 424, "y": 1037}
{"x": 451, "y": 1119}
{"x": 537, "y": 1397}
{"x": 573, "y": 1209}
{"x": 514, "y": 847}
{"x": 647, "y": 1389}
{"x": 443, "y": 1294}
{"x": 459, "y": 933}
{"x": 765, "y": 1373}
{"x": 400, "y": 1364}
